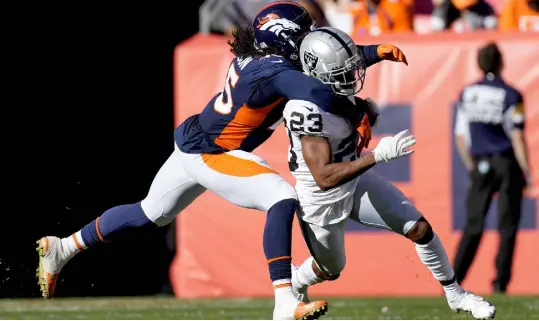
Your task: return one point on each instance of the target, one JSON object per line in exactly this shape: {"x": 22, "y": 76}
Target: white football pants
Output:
{"x": 377, "y": 203}
{"x": 239, "y": 177}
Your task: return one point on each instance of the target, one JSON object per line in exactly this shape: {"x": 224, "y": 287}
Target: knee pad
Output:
{"x": 334, "y": 277}
{"x": 429, "y": 234}
{"x": 280, "y": 192}
{"x": 333, "y": 273}
{"x": 330, "y": 277}
{"x": 153, "y": 208}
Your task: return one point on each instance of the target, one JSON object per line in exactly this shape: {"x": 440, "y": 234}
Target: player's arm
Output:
{"x": 464, "y": 154}
{"x": 295, "y": 85}
{"x": 313, "y": 125}
{"x": 370, "y": 54}
{"x": 373, "y": 54}
{"x": 518, "y": 140}
{"x": 461, "y": 133}
{"x": 318, "y": 157}
{"x": 521, "y": 153}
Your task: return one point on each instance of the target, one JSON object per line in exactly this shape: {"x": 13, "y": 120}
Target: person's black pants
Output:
{"x": 493, "y": 174}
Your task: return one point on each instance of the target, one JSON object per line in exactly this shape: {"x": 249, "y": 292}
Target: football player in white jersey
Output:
{"x": 333, "y": 184}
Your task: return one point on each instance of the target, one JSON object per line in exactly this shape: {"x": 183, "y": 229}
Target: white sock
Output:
{"x": 433, "y": 255}
{"x": 72, "y": 245}
{"x": 453, "y": 291}
{"x": 305, "y": 275}
{"x": 283, "y": 291}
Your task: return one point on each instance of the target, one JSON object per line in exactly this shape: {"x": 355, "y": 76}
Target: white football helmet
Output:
{"x": 330, "y": 55}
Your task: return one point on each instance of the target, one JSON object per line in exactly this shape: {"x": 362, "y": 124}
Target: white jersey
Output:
{"x": 317, "y": 206}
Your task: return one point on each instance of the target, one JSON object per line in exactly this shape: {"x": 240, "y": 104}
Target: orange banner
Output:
{"x": 220, "y": 245}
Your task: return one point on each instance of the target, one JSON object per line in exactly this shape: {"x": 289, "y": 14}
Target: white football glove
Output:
{"x": 393, "y": 147}
{"x": 373, "y": 112}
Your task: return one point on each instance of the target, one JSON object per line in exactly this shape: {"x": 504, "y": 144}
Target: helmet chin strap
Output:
{"x": 344, "y": 91}
{"x": 294, "y": 56}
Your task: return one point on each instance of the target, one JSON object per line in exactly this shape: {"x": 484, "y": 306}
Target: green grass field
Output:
{"x": 508, "y": 307}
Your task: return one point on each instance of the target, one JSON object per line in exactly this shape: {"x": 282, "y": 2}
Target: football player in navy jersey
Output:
{"x": 214, "y": 152}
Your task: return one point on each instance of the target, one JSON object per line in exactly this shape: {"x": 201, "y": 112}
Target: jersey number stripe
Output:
{"x": 220, "y": 105}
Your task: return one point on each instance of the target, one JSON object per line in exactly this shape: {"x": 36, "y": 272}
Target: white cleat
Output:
{"x": 51, "y": 262}
{"x": 299, "y": 292}
{"x": 474, "y": 305}
{"x": 295, "y": 310}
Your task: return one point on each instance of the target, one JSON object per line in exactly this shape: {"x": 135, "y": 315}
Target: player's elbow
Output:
{"x": 324, "y": 186}
{"x": 518, "y": 141}
{"x": 324, "y": 182}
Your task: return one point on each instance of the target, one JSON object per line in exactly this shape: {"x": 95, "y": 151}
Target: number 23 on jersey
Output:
{"x": 297, "y": 121}
{"x": 225, "y": 107}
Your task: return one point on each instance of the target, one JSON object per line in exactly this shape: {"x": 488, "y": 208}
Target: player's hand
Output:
{"x": 393, "y": 147}
{"x": 364, "y": 130}
{"x": 391, "y": 52}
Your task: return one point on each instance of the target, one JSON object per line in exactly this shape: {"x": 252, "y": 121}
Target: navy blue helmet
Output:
{"x": 282, "y": 25}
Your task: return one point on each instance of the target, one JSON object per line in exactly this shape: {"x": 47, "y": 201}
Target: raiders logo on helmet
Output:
{"x": 310, "y": 59}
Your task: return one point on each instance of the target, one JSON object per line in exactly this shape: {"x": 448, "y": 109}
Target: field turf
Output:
{"x": 508, "y": 307}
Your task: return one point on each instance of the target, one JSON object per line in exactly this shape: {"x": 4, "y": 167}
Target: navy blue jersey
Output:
{"x": 250, "y": 107}
{"x": 490, "y": 108}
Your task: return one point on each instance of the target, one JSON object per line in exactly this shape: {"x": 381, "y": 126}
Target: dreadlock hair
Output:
{"x": 244, "y": 44}
{"x": 489, "y": 59}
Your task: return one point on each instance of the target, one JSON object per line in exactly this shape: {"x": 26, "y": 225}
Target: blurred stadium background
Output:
{"x": 108, "y": 86}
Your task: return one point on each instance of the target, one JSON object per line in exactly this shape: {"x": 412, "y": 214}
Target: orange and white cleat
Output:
{"x": 51, "y": 262}
{"x": 311, "y": 311}
{"x": 296, "y": 310}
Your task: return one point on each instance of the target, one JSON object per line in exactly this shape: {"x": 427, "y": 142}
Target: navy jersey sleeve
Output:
{"x": 370, "y": 54}
{"x": 294, "y": 85}
{"x": 515, "y": 109}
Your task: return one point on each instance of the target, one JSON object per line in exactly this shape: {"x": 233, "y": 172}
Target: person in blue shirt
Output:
{"x": 490, "y": 139}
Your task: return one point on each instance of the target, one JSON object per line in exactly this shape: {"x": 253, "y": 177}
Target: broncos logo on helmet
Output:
{"x": 266, "y": 18}
{"x": 274, "y": 23}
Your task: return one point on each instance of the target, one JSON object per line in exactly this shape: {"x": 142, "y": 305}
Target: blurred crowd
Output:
{"x": 375, "y": 17}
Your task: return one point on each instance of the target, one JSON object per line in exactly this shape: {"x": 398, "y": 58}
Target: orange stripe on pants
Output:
{"x": 235, "y": 166}
{"x": 279, "y": 258}
{"x": 97, "y": 230}
{"x": 74, "y": 236}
